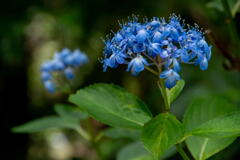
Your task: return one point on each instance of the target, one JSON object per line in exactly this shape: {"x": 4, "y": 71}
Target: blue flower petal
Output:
{"x": 165, "y": 73}
{"x": 171, "y": 77}
{"x": 170, "y": 82}
{"x": 154, "y": 49}
{"x": 138, "y": 48}
{"x": 157, "y": 38}
{"x": 105, "y": 64}
{"x": 165, "y": 42}
{"x": 68, "y": 72}
{"x": 137, "y": 65}
{"x": 163, "y": 54}
{"x": 141, "y": 35}
{"x": 118, "y": 37}
{"x": 176, "y": 65}
{"x": 155, "y": 23}
{"x": 204, "y": 63}
{"x": 185, "y": 58}
{"x": 116, "y": 59}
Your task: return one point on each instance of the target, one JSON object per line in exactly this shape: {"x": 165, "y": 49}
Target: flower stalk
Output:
{"x": 167, "y": 105}
{"x": 182, "y": 152}
{"x": 83, "y": 133}
{"x": 163, "y": 90}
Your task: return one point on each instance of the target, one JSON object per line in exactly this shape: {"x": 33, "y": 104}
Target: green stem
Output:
{"x": 95, "y": 145}
{"x": 227, "y": 8}
{"x": 167, "y": 104}
{"x": 152, "y": 71}
{"x": 235, "y": 8}
{"x": 163, "y": 90}
{"x": 99, "y": 136}
{"x": 88, "y": 138}
{"x": 83, "y": 133}
{"x": 182, "y": 152}
{"x": 230, "y": 22}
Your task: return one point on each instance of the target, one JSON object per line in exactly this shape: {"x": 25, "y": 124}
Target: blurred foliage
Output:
{"x": 31, "y": 31}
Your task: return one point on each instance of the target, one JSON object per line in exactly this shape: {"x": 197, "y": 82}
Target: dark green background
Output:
{"x": 30, "y": 31}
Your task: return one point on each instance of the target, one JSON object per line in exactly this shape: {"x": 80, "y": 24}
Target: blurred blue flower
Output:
{"x": 45, "y": 76}
{"x": 49, "y": 85}
{"x": 69, "y": 74}
{"x": 63, "y": 62}
{"x": 57, "y": 65}
{"x": 165, "y": 44}
{"x": 75, "y": 59}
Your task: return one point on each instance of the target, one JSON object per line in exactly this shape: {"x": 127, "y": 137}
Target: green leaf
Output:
{"x": 169, "y": 153}
{"x": 122, "y": 133}
{"x": 200, "y": 111}
{"x": 220, "y": 127}
{"x": 173, "y": 93}
{"x": 69, "y": 117}
{"x": 161, "y": 133}
{"x": 46, "y": 123}
{"x": 143, "y": 157}
{"x": 134, "y": 151}
{"x": 215, "y": 4}
{"x": 65, "y": 110}
{"x": 112, "y": 105}
{"x": 202, "y": 148}
{"x": 235, "y": 8}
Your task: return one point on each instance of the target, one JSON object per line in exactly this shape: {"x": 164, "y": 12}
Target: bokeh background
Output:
{"x": 31, "y": 31}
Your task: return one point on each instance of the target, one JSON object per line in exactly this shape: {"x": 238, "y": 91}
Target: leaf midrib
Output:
{"x": 161, "y": 133}
{"x": 204, "y": 145}
{"x": 209, "y": 131}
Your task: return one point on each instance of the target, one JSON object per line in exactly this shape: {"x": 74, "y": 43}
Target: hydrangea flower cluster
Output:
{"x": 160, "y": 43}
{"x": 63, "y": 62}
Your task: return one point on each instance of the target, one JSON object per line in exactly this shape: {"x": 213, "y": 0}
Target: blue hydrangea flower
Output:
{"x": 63, "y": 62}
{"x": 165, "y": 44}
